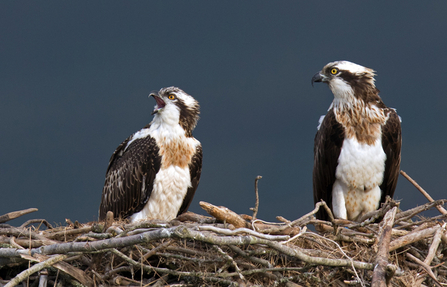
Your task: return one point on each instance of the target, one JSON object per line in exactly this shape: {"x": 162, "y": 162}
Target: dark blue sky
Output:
{"x": 75, "y": 76}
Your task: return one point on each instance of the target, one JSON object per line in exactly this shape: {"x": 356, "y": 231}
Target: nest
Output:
{"x": 229, "y": 249}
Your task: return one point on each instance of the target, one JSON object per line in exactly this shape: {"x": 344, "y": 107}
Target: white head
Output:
{"x": 347, "y": 80}
{"x": 174, "y": 106}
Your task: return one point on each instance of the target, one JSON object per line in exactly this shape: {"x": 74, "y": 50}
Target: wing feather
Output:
{"x": 195, "y": 170}
{"x": 124, "y": 191}
{"x": 391, "y": 144}
{"x": 327, "y": 146}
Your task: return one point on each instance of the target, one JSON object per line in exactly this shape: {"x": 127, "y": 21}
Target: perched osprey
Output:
{"x": 155, "y": 172}
{"x": 357, "y": 146}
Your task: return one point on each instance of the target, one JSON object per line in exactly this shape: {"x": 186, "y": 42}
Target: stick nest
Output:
{"x": 387, "y": 248}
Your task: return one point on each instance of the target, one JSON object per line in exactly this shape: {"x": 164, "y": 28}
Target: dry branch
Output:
{"x": 15, "y": 214}
{"x": 224, "y": 214}
{"x": 440, "y": 208}
{"x": 411, "y": 238}
{"x": 197, "y": 250}
{"x": 379, "y": 276}
{"x": 426, "y": 268}
{"x": 256, "y": 208}
{"x": 25, "y": 274}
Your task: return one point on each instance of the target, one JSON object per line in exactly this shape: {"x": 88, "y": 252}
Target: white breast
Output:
{"x": 361, "y": 165}
{"x": 173, "y": 179}
{"x": 170, "y": 187}
{"x": 358, "y": 176}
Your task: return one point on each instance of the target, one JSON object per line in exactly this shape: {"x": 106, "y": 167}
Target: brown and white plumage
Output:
{"x": 357, "y": 146}
{"x": 155, "y": 172}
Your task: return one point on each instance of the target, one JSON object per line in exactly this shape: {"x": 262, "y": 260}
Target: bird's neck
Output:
{"x": 361, "y": 120}
{"x": 166, "y": 130}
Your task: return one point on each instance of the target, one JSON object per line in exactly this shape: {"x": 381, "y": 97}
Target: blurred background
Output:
{"x": 75, "y": 76}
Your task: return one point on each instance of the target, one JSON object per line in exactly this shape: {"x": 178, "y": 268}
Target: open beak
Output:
{"x": 160, "y": 103}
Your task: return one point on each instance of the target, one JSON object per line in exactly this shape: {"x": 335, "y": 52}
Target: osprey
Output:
{"x": 357, "y": 146}
{"x": 155, "y": 172}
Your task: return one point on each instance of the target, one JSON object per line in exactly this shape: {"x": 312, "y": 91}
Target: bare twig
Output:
{"x": 352, "y": 262}
{"x": 147, "y": 268}
{"x": 14, "y": 231}
{"x": 15, "y": 214}
{"x": 244, "y": 230}
{"x": 379, "y": 275}
{"x": 230, "y": 259}
{"x": 412, "y": 237}
{"x": 224, "y": 214}
{"x": 26, "y": 273}
{"x": 297, "y": 222}
{"x": 426, "y": 268}
{"x": 109, "y": 220}
{"x": 155, "y": 250}
{"x": 256, "y": 208}
{"x": 440, "y": 208}
{"x": 254, "y": 259}
{"x": 433, "y": 248}
{"x": 195, "y": 250}
{"x": 40, "y": 221}
{"x": 191, "y": 216}
{"x": 372, "y": 216}
{"x": 408, "y": 214}
{"x": 69, "y": 232}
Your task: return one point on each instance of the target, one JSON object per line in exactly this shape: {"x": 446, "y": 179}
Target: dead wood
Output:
{"x": 15, "y": 214}
{"x": 412, "y": 237}
{"x": 440, "y": 208}
{"x": 224, "y": 214}
{"x": 379, "y": 278}
{"x": 230, "y": 249}
{"x": 256, "y": 208}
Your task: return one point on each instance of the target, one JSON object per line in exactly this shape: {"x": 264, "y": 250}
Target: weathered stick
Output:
{"x": 43, "y": 278}
{"x": 412, "y": 237}
{"x": 147, "y": 268}
{"x": 194, "y": 217}
{"x": 380, "y": 263}
{"x": 440, "y": 208}
{"x": 224, "y": 214}
{"x": 14, "y": 231}
{"x": 109, "y": 220}
{"x": 404, "y": 215}
{"x": 372, "y": 216}
{"x": 433, "y": 248}
{"x": 74, "y": 272}
{"x": 254, "y": 259}
{"x": 15, "y": 214}
{"x": 41, "y": 221}
{"x": 70, "y": 232}
{"x": 26, "y": 273}
{"x": 297, "y": 222}
{"x": 434, "y": 245}
{"x": 244, "y": 230}
{"x": 425, "y": 267}
{"x": 230, "y": 260}
{"x": 256, "y": 208}
{"x": 185, "y": 233}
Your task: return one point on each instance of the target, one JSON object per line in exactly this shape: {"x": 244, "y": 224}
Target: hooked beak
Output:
{"x": 160, "y": 103}
{"x": 317, "y": 78}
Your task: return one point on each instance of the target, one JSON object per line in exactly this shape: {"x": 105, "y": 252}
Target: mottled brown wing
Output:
{"x": 195, "y": 170}
{"x": 327, "y": 146}
{"x": 391, "y": 144}
{"x": 129, "y": 177}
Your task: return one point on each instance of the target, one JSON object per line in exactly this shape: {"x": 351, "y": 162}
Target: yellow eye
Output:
{"x": 171, "y": 97}
{"x": 334, "y": 71}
